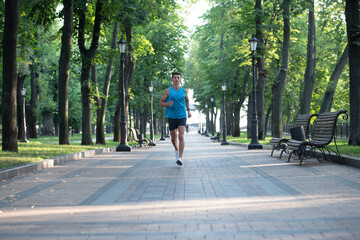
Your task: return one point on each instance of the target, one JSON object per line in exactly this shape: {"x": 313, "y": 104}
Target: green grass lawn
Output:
{"x": 48, "y": 147}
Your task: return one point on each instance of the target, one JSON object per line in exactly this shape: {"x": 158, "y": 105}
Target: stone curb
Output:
{"x": 49, "y": 163}
{"x": 345, "y": 159}
{"x": 265, "y": 147}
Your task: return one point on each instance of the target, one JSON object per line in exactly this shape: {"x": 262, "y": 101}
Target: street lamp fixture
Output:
{"x": 23, "y": 137}
{"x": 212, "y": 116}
{"x": 151, "y": 88}
{"x": 23, "y": 92}
{"x": 123, "y": 146}
{"x": 224, "y": 142}
{"x": 122, "y": 45}
{"x": 254, "y": 121}
{"x": 253, "y": 43}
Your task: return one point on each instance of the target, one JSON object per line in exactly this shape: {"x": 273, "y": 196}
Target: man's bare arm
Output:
{"x": 187, "y": 102}
{"x": 163, "y": 102}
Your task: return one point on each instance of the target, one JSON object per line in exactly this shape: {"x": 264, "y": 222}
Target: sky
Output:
{"x": 193, "y": 12}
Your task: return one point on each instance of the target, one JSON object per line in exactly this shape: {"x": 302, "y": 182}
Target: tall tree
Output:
{"x": 9, "y": 130}
{"x": 64, "y": 63}
{"x": 331, "y": 87}
{"x": 33, "y": 110}
{"x": 239, "y": 100}
{"x": 279, "y": 85}
{"x": 352, "y": 14}
{"x": 262, "y": 73}
{"x": 309, "y": 76}
{"x": 20, "y": 107}
{"x": 36, "y": 18}
{"x": 87, "y": 57}
{"x": 100, "y": 121}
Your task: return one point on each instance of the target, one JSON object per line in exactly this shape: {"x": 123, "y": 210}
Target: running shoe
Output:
{"x": 179, "y": 162}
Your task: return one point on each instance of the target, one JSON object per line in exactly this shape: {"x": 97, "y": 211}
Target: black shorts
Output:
{"x": 174, "y": 123}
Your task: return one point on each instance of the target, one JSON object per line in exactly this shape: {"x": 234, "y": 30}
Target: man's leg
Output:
{"x": 173, "y": 134}
{"x": 181, "y": 140}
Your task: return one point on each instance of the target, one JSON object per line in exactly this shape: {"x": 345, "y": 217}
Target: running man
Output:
{"x": 176, "y": 101}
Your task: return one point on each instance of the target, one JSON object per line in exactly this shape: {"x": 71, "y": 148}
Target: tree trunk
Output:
{"x": 110, "y": 125}
{"x": 207, "y": 124}
{"x": 33, "y": 111}
{"x": 20, "y": 107}
{"x": 48, "y": 124}
{"x": 236, "y": 128}
{"x": 288, "y": 113}
{"x": 242, "y": 100}
{"x": 267, "y": 117}
{"x": 96, "y": 95}
{"x": 86, "y": 103}
{"x": 137, "y": 119}
{"x": 235, "y": 109}
{"x": 100, "y": 122}
{"x": 87, "y": 56}
{"x": 143, "y": 120}
{"x": 331, "y": 87}
{"x": 352, "y": 24}
{"x": 278, "y": 87}
{"x": 64, "y": 63}
{"x": 262, "y": 73}
{"x": 9, "y": 129}
{"x": 99, "y": 131}
{"x": 309, "y": 76}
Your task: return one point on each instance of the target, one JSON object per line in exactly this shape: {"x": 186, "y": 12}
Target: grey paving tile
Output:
{"x": 221, "y": 192}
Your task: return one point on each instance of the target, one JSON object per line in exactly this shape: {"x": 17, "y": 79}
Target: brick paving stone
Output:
{"x": 221, "y": 192}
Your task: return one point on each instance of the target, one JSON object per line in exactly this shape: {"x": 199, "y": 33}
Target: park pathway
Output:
{"x": 221, "y": 192}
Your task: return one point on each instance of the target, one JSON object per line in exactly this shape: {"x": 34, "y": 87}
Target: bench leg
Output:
{"x": 272, "y": 150}
{"x": 281, "y": 153}
{"x": 291, "y": 152}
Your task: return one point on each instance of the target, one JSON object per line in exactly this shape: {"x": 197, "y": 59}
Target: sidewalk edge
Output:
{"x": 49, "y": 163}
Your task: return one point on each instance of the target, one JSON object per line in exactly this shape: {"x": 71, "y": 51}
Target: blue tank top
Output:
{"x": 178, "y": 109}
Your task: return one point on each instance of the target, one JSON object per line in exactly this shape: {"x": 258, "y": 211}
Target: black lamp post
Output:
{"x": 151, "y": 88}
{"x": 212, "y": 116}
{"x": 23, "y": 137}
{"x": 123, "y": 146}
{"x": 207, "y": 120}
{"x": 162, "y": 126}
{"x": 224, "y": 142}
{"x": 254, "y": 122}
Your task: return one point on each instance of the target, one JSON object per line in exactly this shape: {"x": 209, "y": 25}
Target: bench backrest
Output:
{"x": 134, "y": 133}
{"x": 325, "y": 127}
{"x": 304, "y": 121}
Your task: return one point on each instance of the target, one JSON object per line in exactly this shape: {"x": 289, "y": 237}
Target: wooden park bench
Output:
{"x": 137, "y": 137}
{"x": 280, "y": 143}
{"x": 217, "y": 137}
{"x": 324, "y": 134}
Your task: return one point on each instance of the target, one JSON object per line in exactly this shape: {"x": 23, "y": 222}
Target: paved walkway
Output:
{"x": 221, "y": 192}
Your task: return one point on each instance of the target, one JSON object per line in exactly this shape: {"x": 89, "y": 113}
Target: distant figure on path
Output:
{"x": 176, "y": 101}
